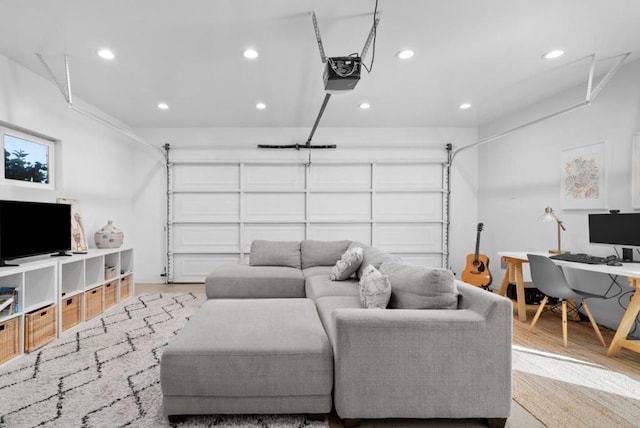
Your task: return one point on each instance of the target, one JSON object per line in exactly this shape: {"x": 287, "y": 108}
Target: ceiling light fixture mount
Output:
{"x": 105, "y": 53}
{"x": 250, "y": 53}
{"x": 405, "y": 54}
{"x": 365, "y": 106}
{"x": 261, "y": 106}
{"x": 464, "y": 106}
{"x": 163, "y": 106}
{"x": 557, "y": 53}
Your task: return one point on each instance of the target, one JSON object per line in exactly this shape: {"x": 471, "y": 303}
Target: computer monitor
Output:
{"x": 615, "y": 229}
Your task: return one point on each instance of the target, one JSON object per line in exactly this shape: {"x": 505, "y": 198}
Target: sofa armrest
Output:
{"x": 425, "y": 363}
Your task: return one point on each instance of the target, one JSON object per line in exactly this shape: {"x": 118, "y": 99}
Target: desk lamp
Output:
{"x": 550, "y": 216}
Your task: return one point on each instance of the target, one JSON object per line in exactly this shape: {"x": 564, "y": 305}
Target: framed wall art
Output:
{"x": 582, "y": 177}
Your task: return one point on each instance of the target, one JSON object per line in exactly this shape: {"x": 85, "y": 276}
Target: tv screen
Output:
{"x": 615, "y": 229}
{"x": 33, "y": 228}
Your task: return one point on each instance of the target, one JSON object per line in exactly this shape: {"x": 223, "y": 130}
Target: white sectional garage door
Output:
{"x": 216, "y": 209}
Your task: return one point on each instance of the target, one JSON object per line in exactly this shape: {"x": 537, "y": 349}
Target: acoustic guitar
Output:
{"x": 476, "y": 271}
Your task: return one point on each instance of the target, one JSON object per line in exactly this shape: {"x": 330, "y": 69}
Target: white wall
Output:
{"x": 94, "y": 163}
{"x": 240, "y": 144}
{"x": 520, "y": 174}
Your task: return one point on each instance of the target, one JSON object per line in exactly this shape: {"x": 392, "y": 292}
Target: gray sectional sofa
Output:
{"x": 278, "y": 336}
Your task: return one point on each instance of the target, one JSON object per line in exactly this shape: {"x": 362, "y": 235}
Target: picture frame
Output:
{"x": 582, "y": 177}
{"x": 635, "y": 171}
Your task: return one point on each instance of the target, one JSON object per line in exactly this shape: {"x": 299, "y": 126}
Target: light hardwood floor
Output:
{"x": 546, "y": 336}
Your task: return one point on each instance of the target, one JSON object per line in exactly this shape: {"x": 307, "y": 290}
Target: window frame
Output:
{"x": 51, "y": 157}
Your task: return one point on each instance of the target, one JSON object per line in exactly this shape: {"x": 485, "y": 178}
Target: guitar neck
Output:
{"x": 475, "y": 255}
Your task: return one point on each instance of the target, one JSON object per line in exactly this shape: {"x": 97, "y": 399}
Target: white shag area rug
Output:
{"x": 106, "y": 373}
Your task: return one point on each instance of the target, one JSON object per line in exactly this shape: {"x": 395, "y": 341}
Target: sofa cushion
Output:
{"x": 243, "y": 281}
{"x": 321, "y": 253}
{"x": 420, "y": 287}
{"x": 372, "y": 256}
{"x": 349, "y": 262}
{"x": 326, "y": 305}
{"x": 317, "y": 271}
{"x": 275, "y": 253}
{"x": 374, "y": 289}
{"x": 321, "y": 286}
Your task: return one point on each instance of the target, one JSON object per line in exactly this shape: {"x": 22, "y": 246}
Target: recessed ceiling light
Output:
{"x": 553, "y": 54}
{"x": 163, "y": 106}
{"x": 261, "y": 106}
{"x": 250, "y": 54}
{"x": 365, "y": 106}
{"x": 405, "y": 54}
{"x": 106, "y": 54}
{"x": 464, "y": 106}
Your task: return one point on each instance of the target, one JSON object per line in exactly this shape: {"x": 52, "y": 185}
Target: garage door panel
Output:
{"x": 206, "y": 206}
{"x": 269, "y": 177}
{"x": 408, "y": 176}
{"x": 339, "y": 206}
{"x": 195, "y": 267}
{"x": 409, "y": 237}
{"x": 337, "y": 232}
{"x": 206, "y": 177}
{"x": 206, "y": 237}
{"x": 340, "y": 176}
{"x": 408, "y": 206}
{"x": 274, "y": 206}
{"x": 272, "y": 232}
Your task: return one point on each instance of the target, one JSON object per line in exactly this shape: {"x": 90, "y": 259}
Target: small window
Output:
{"x": 28, "y": 160}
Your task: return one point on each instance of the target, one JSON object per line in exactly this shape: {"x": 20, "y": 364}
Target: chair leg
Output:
{"x": 564, "y": 323}
{"x": 593, "y": 323}
{"x": 538, "y": 312}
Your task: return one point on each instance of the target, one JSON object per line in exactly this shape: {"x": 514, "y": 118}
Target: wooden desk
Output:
{"x": 515, "y": 259}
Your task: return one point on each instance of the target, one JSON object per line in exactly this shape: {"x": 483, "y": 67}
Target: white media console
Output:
{"x": 58, "y": 293}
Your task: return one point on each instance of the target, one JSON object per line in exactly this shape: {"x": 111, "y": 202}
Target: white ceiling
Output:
{"x": 189, "y": 54}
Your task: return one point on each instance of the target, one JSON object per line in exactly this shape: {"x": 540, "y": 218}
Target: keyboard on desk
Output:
{"x": 580, "y": 258}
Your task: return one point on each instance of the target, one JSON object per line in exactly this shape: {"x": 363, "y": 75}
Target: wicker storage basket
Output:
{"x": 93, "y": 302}
{"x": 39, "y": 327}
{"x": 124, "y": 288}
{"x": 70, "y": 311}
{"x": 8, "y": 339}
{"x": 109, "y": 272}
{"x": 110, "y": 297}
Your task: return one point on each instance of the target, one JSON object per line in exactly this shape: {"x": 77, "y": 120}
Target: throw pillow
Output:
{"x": 420, "y": 287}
{"x": 275, "y": 253}
{"x": 375, "y": 288}
{"x": 347, "y": 265}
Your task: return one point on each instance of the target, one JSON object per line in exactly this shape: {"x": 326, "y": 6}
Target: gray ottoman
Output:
{"x": 249, "y": 356}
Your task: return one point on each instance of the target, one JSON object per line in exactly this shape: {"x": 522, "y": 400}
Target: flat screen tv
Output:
{"x": 615, "y": 229}
{"x": 33, "y": 228}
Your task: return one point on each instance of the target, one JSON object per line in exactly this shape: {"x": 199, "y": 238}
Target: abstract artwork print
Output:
{"x": 582, "y": 177}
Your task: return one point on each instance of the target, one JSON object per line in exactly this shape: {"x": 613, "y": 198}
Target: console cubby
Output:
{"x": 126, "y": 262}
{"x": 72, "y": 278}
{"x": 94, "y": 272}
{"x": 15, "y": 282}
{"x": 40, "y": 288}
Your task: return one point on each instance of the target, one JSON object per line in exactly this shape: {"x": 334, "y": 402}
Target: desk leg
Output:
{"x": 522, "y": 311}
{"x": 505, "y": 280}
{"x": 625, "y": 324}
